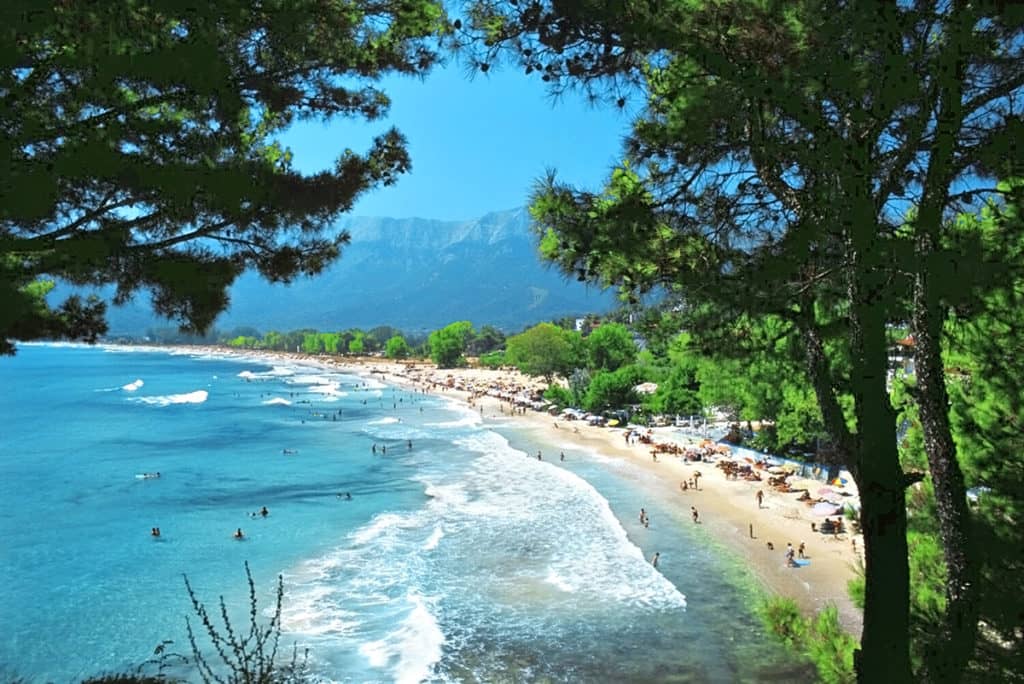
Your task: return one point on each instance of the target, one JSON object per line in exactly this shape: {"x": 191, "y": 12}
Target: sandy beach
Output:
{"x": 728, "y": 508}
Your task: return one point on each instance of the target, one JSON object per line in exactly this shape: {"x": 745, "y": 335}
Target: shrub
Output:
{"x": 495, "y": 359}
{"x": 831, "y": 649}
{"x": 249, "y": 659}
{"x": 561, "y": 396}
{"x": 782, "y": 619}
{"x": 821, "y": 640}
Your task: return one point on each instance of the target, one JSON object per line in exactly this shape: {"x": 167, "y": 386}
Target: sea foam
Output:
{"x": 132, "y": 386}
{"x": 411, "y": 650}
{"x": 197, "y": 397}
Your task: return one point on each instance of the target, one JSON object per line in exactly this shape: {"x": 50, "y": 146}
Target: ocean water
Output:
{"x": 458, "y": 558}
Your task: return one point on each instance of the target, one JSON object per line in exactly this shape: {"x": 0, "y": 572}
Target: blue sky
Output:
{"x": 476, "y": 145}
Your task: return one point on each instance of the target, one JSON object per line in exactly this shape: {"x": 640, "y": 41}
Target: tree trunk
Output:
{"x": 884, "y": 655}
{"x": 873, "y": 459}
{"x": 885, "y": 641}
{"x": 947, "y": 659}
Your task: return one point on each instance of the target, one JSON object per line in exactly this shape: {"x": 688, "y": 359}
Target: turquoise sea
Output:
{"x": 460, "y": 558}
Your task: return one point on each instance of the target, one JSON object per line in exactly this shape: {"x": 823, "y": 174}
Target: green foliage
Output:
{"x": 831, "y": 649}
{"x": 488, "y": 339}
{"x": 679, "y": 392}
{"x": 311, "y": 343}
{"x": 244, "y": 658}
{"x": 610, "y": 347}
{"x": 783, "y": 620}
{"x": 397, "y": 348}
{"x": 448, "y": 344}
{"x": 545, "y": 349}
{"x": 613, "y": 389}
{"x": 141, "y": 147}
{"x": 357, "y": 344}
{"x": 820, "y": 639}
{"x": 561, "y": 396}
{"x": 495, "y": 359}
{"x": 579, "y": 382}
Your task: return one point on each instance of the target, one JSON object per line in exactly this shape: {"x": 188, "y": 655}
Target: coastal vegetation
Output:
{"x": 148, "y": 159}
{"x": 804, "y": 186}
{"x": 809, "y": 164}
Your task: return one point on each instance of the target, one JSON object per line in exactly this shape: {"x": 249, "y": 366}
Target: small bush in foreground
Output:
{"x": 251, "y": 659}
{"x": 821, "y": 639}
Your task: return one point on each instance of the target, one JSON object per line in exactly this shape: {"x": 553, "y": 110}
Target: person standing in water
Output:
{"x": 654, "y": 559}
{"x": 239, "y": 534}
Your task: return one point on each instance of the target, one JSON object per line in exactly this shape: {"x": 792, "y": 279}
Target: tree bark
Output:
{"x": 885, "y": 641}
{"x": 884, "y": 655}
{"x": 947, "y": 659}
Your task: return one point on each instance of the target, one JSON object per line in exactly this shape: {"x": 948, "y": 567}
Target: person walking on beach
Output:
{"x": 654, "y": 559}
{"x": 760, "y": 497}
{"x": 696, "y": 479}
{"x": 800, "y": 550}
{"x": 695, "y": 514}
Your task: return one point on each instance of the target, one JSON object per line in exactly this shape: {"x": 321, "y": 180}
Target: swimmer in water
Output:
{"x": 155, "y": 532}
{"x": 239, "y": 534}
{"x": 654, "y": 560}
{"x": 264, "y": 512}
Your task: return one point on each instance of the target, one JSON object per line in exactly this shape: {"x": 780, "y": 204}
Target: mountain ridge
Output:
{"x": 411, "y": 273}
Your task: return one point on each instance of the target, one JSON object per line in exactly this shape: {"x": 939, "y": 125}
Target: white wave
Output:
{"x": 197, "y": 397}
{"x": 381, "y": 523}
{"x": 556, "y": 580}
{"x": 600, "y": 563}
{"x": 308, "y": 379}
{"x": 132, "y": 386}
{"x": 466, "y": 416}
{"x": 466, "y": 421}
{"x": 274, "y": 372}
{"x": 388, "y": 420}
{"x": 434, "y": 539}
{"x": 330, "y": 389}
{"x": 411, "y": 650}
{"x": 303, "y": 611}
{"x": 277, "y": 401}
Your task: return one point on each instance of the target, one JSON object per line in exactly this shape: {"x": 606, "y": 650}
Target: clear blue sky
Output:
{"x": 476, "y": 145}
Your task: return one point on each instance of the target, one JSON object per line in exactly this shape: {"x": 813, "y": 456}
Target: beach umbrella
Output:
{"x": 824, "y": 491}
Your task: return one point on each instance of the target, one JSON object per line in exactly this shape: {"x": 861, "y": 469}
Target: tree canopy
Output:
{"x": 140, "y": 149}
{"x": 545, "y": 349}
{"x": 448, "y": 344}
{"x": 610, "y": 346}
{"x": 771, "y": 170}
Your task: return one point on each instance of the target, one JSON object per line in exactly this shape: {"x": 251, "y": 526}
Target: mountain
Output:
{"x": 414, "y": 274}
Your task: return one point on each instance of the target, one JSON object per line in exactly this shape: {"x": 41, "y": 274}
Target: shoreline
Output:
{"x": 727, "y": 507}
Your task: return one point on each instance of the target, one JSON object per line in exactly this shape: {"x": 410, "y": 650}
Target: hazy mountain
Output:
{"x": 414, "y": 274}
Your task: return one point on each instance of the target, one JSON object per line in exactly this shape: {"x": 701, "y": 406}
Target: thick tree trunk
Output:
{"x": 873, "y": 459}
{"x": 885, "y": 641}
{"x": 946, "y": 660}
{"x": 884, "y": 655}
